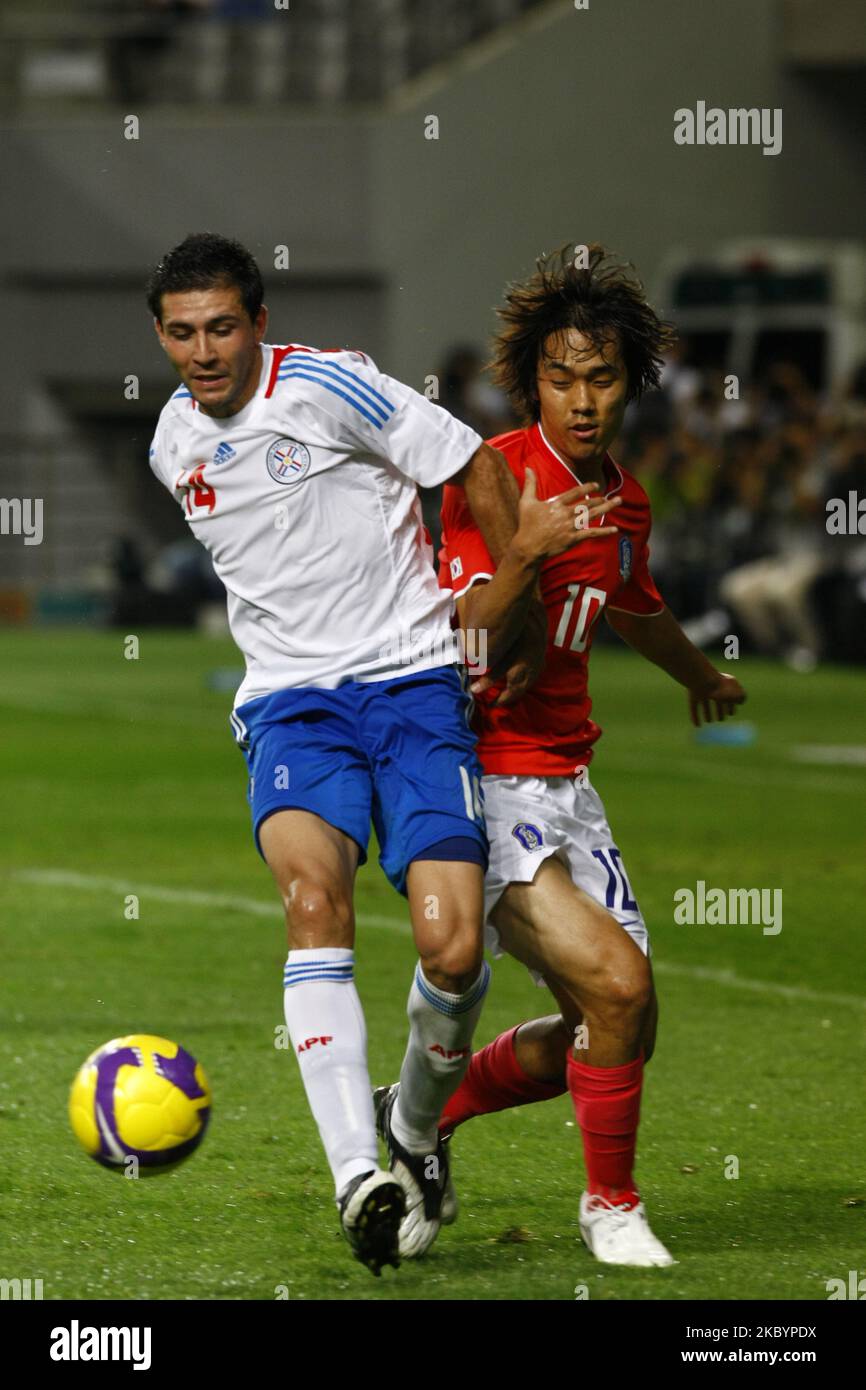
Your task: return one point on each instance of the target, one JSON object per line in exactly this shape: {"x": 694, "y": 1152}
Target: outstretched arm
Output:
{"x": 712, "y": 694}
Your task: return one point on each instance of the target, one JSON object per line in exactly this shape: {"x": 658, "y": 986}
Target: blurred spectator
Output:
{"x": 466, "y": 393}
{"x": 129, "y": 591}
{"x": 680, "y": 380}
{"x": 185, "y": 569}
{"x": 739, "y": 491}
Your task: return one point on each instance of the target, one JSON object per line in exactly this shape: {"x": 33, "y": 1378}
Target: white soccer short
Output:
{"x": 530, "y": 818}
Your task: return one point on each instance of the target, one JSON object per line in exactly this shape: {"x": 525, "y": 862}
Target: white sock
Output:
{"x": 329, "y": 1036}
{"x": 438, "y": 1054}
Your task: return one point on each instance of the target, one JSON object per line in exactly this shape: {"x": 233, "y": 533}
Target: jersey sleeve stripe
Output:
{"x": 329, "y": 386}
{"x": 346, "y": 380}
{"x": 358, "y": 382}
{"x": 476, "y": 578}
{"x": 358, "y": 389}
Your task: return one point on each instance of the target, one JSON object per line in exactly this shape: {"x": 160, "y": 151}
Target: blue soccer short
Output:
{"x": 400, "y": 752}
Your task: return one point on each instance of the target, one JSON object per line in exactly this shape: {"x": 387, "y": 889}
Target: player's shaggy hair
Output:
{"x": 602, "y": 300}
{"x": 206, "y": 261}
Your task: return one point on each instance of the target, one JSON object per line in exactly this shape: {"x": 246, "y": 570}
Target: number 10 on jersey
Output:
{"x": 586, "y": 616}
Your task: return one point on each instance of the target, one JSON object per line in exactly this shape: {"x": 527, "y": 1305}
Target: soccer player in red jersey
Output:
{"x": 578, "y": 342}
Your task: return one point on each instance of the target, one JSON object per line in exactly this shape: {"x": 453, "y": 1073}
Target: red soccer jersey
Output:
{"x": 549, "y": 733}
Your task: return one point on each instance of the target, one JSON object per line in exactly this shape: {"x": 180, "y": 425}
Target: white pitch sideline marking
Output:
{"x": 63, "y": 878}
{"x": 851, "y": 754}
{"x": 728, "y": 977}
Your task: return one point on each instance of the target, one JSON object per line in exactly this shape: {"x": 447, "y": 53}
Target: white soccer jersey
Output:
{"x": 306, "y": 500}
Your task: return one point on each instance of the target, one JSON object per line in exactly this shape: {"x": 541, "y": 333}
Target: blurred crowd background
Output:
{"x": 739, "y": 491}
{"x": 308, "y": 123}
{"x": 144, "y": 52}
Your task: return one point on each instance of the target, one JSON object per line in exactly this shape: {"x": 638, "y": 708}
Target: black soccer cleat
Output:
{"x": 424, "y": 1178}
{"x": 449, "y": 1208}
{"x": 371, "y": 1209}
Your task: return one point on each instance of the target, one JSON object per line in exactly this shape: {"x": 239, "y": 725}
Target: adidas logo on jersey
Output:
{"x": 223, "y": 453}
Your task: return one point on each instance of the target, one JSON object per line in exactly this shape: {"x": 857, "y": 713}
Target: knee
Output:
{"x": 629, "y": 990}
{"x": 623, "y": 988}
{"x": 317, "y": 913}
{"x": 542, "y": 1045}
{"x": 453, "y": 963}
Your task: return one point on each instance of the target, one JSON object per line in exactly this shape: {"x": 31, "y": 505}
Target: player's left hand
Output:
{"x": 522, "y": 664}
{"x": 715, "y": 699}
{"x": 518, "y": 678}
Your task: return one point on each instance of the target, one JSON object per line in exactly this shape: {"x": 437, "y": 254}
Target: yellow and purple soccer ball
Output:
{"x": 141, "y": 1097}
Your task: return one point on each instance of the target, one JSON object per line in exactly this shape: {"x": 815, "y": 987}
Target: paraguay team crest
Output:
{"x": 288, "y": 461}
{"x": 625, "y": 554}
{"x": 529, "y": 835}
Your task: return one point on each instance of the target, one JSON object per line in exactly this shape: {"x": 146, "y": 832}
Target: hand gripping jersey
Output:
{"x": 306, "y": 500}
{"x": 549, "y": 732}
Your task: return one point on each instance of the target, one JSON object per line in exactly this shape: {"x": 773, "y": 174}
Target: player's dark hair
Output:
{"x": 601, "y": 299}
{"x": 206, "y": 261}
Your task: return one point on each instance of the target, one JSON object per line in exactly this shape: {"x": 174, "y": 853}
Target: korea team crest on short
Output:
{"x": 625, "y": 558}
{"x": 288, "y": 461}
{"x": 528, "y": 835}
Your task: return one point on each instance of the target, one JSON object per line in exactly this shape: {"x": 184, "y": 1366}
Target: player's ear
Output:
{"x": 260, "y": 323}
{"x": 157, "y": 328}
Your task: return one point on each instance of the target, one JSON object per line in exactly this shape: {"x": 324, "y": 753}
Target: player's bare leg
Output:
{"x": 523, "y": 1066}
{"x": 446, "y": 904}
{"x": 540, "y": 1047}
{"x": 314, "y": 866}
{"x": 602, "y": 981}
{"x": 541, "y": 1044}
{"x": 599, "y": 975}
{"x": 543, "y": 924}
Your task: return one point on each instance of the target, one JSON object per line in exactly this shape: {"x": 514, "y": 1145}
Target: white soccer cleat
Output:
{"x": 418, "y": 1230}
{"x": 423, "y": 1177}
{"x": 619, "y": 1236}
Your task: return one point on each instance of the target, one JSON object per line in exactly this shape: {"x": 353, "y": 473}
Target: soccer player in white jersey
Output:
{"x": 297, "y": 469}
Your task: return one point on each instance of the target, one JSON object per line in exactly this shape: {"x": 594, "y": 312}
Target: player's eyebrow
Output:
{"x": 556, "y": 366}
{"x": 211, "y": 323}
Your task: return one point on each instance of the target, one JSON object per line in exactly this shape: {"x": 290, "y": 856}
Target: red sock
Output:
{"x": 495, "y": 1080}
{"x": 607, "y": 1106}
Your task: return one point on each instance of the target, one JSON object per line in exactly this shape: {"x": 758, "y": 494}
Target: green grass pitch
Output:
{"x": 120, "y": 777}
